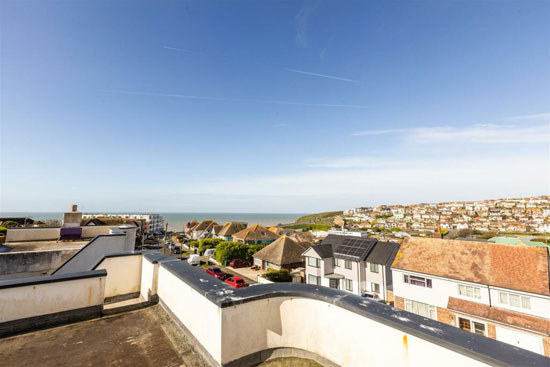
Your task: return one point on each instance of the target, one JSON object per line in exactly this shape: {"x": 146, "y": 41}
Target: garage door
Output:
{"x": 520, "y": 339}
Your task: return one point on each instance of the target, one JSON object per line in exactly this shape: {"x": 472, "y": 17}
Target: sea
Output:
{"x": 176, "y": 221}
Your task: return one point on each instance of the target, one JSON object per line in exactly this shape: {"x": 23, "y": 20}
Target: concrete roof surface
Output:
{"x": 29, "y": 246}
{"x": 139, "y": 338}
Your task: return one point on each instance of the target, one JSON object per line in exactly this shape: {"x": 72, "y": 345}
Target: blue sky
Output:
{"x": 271, "y": 106}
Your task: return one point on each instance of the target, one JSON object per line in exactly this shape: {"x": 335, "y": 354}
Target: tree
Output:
{"x": 227, "y": 251}
{"x": 208, "y": 243}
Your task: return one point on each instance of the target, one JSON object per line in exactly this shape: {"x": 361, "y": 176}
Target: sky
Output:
{"x": 271, "y": 106}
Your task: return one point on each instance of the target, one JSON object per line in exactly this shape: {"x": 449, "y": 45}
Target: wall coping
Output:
{"x": 23, "y": 282}
{"x": 85, "y": 246}
{"x": 118, "y": 254}
{"x": 475, "y": 346}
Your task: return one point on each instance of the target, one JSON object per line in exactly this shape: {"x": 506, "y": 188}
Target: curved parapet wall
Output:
{"x": 233, "y": 327}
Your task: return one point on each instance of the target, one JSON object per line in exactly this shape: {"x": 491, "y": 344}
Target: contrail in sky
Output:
{"x": 264, "y": 64}
{"x": 208, "y": 98}
{"x": 322, "y": 75}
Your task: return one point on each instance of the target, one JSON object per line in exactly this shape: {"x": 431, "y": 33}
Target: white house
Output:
{"x": 354, "y": 264}
{"x": 499, "y": 291}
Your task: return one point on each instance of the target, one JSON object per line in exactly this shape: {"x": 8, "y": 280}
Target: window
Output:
{"x": 313, "y": 262}
{"x": 420, "y": 281}
{"x": 419, "y": 308}
{"x": 348, "y": 264}
{"x": 338, "y": 262}
{"x": 514, "y": 300}
{"x": 349, "y": 285}
{"x": 468, "y": 291}
{"x": 375, "y": 287}
{"x": 312, "y": 279}
{"x": 471, "y": 326}
{"x": 373, "y": 268}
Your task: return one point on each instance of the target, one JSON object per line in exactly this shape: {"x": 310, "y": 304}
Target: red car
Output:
{"x": 216, "y": 273}
{"x": 238, "y": 263}
{"x": 236, "y": 282}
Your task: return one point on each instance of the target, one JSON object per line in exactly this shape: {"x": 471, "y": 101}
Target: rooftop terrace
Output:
{"x": 202, "y": 320}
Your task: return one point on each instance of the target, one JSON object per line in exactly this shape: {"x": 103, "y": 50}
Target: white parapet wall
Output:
{"x": 88, "y": 256}
{"x": 341, "y": 336}
{"x": 32, "y": 234}
{"x": 194, "y": 311}
{"x": 239, "y": 327}
{"x": 47, "y": 295}
{"x": 124, "y": 274}
{"x": 52, "y": 233}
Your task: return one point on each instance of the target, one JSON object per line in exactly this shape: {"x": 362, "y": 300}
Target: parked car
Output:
{"x": 194, "y": 260}
{"x": 236, "y": 282}
{"x": 238, "y": 263}
{"x": 216, "y": 273}
{"x": 176, "y": 249}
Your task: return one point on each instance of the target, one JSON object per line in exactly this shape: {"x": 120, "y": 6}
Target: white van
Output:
{"x": 194, "y": 260}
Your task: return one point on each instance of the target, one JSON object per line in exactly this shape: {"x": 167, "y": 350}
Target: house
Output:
{"x": 496, "y": 290}
{"x": 257, "y": 234}
{"x": 355, "y": 264}
{"x": 284, "y": 253}
{"x": 203, "y": 229}
{"x": 229, "y": 229}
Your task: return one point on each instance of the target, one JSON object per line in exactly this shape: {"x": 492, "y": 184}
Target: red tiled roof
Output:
{"x": 499, "y": 314}
{"x": 508, "y": 266}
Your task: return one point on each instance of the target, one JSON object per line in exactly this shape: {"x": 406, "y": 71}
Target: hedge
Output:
{"x": 208, "y": 243}
{"x": 282, "y": 275}
{"x": 227, "y": 251}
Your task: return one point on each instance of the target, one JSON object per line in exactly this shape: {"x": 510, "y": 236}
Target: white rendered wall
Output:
{"x": 200, "y": 316}
{"x": 42, "y": 299}
{"x": 328, "y": 331}
{"x": 123, "y": 275}
{"x": 90, "y": 255}
{"x": 443, "y": 288}
{"x": 31, "y": 234}
{"x": 149, "y": 278}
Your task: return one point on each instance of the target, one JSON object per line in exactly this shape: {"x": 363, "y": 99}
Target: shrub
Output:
{"x": 3, "y": 230}
{"x": 194, "y": 244}
{"x": 207, "y": 243}
{"x": 227, "y": 251}
{"x": 282, "y": 275}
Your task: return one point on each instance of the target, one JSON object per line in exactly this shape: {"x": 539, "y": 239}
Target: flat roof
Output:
{"x": 138, "y": 338}
{"x": 30, "y": 246}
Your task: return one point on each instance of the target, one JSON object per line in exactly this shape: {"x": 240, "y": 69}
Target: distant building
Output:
{"x": 154, "y": 223}
{"x": 257, "y": 234}
{"x": 229, "y": 229}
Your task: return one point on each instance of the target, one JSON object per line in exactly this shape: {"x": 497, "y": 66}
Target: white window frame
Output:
{"x": 317, "y": 279}
{"x": 426, "y": 282}
{"x": 346, "y": 263}
{"x": 472, "y": 326}
{"x": 338, "y": 262}
{"x": 522, "y": 300}
{"x": 409, "y": 303}
{"x": 374, "y": 268}
{"x": 349, "y": 285}
{"x": 373, "y": 287}
{"x": 317, "y": 262}
{"x": 463, "y": 290}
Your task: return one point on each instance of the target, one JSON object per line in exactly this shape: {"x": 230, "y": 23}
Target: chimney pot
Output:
{"x": 74, "y": 207}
